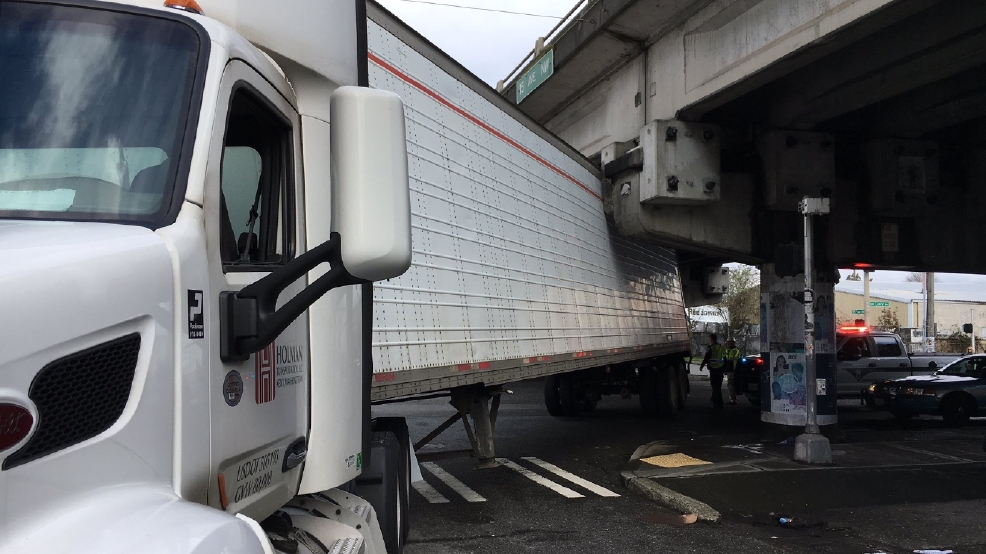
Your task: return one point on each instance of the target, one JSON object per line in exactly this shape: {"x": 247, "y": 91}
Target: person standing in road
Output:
{"x": 732, "y": 357}
{"x": 714, "y": 359}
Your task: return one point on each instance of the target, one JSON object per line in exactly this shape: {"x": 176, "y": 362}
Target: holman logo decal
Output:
{"x": 264, "y": 376}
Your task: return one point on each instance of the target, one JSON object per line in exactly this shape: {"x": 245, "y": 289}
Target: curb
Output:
{"x": 668, "y": 498}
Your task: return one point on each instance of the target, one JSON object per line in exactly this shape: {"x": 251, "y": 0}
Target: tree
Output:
{"x": 854, "y": 276}
{"x": 742, "y": 300}
{"x": 915, "y": 277}
{"x": 888, "y": 320}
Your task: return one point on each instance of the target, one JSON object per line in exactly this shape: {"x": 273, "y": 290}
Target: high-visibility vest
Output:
{"x": 718, "y": 352}
{"x": 732, "y": 355}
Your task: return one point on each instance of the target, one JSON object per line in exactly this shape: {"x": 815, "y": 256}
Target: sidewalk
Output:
{"x": 696, "y": 374}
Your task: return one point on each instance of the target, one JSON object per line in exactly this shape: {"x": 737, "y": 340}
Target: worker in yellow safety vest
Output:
{"x": 732, "y": 361}
{"x": 715, "y": 359}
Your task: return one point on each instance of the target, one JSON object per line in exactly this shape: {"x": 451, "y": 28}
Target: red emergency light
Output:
{"x": 854, "y": 328}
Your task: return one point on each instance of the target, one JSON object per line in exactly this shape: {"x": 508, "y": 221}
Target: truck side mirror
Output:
{"x": 371, "y": 223}
{"x": 371, "y": 205}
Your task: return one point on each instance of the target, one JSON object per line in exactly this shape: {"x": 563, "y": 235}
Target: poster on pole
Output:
{"x": 788, "y": 392}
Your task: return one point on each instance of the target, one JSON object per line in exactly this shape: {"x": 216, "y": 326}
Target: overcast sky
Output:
{"x": 487, "y": 43}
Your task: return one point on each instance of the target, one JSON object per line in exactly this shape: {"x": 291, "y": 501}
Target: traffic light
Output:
{"x": 966, "y": 327}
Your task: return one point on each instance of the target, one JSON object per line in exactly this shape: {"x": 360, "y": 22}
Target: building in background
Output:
{"x": 955, "y": 304}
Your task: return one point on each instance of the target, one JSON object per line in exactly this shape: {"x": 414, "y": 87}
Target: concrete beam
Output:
{"x": 942, "y": 41}
{"x": 730, "y": 42}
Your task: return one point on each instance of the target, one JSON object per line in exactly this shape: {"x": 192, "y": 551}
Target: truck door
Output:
{"x": 889, "y": 362}
{"x": 852, "y": 358}
{"x": 253, "y": 226}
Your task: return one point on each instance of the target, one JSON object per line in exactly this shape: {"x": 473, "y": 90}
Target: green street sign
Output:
{"x": 858, "y": 312}
{"x": 880, "y": 304}
{"x": 536, "y": 75}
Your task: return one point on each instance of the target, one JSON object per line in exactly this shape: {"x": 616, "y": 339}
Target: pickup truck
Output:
{"x": 865, "y": 356}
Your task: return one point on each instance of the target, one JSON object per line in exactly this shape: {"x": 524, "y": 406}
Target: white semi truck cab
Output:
{"x": 193, "y": 202}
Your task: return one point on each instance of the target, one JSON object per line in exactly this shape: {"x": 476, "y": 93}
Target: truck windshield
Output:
{"x": 93, "y": 110}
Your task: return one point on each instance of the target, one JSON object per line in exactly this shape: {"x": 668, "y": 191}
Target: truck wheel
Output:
{"x": 667, "y": 391}
{"x": 589, "y": 404}
{"x": 398, "y": 426}
{"x": 381, "y": 484}
{"x": 647, "y": 389}
{"x": 682, "y": 386}
{"x": 571, "y": 404}
{"x": 552, "y": 396}
{"x": 956, "y": 410}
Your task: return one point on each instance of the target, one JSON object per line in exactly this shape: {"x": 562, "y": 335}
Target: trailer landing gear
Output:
{"x": 480, "y": 404}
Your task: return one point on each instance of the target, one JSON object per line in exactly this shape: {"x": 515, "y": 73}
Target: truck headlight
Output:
{"x": 872, "y": 388}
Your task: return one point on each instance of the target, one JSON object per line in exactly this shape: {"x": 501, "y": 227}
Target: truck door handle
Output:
{"x": 871, "y": 364}
{"x": 295, "y": 453}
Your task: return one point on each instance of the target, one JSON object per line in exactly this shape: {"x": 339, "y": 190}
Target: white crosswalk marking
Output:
{"x": 429, "y": 492}
{"x": 601, "y": 491}
{"x": 544, "y": 481}
{"x": 453, "y": 483}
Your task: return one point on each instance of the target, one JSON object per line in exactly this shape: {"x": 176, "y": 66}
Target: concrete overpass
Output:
{"x": 878, "y": 104}
{"x": 714, "y": 118}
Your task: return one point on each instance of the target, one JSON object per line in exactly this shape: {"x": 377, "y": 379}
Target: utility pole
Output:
{"x": 929, "y": 320}
{"x": 866, "y": 296}
{"x": 811, "y": 447}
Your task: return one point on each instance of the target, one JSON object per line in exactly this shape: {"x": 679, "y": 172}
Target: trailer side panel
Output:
{"x": 516, "y": 272}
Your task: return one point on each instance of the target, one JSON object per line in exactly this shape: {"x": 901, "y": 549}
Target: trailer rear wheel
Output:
{"x": 667, "y": 391}
{"x": 552, "y": 396}
{"x": 682, "y": 386}
{"x": 571, "y": 403}
{"x": 647, "y": 389}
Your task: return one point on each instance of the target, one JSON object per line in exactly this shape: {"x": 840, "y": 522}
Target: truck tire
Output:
{"x": 956, "y": 409}
{"x": 667, "y": 391}
{"x": 682, "y": 386}
{"x": 381, "y": 485}
{"x": 571, "y": 403}
{"x": 647, "y": 389}
{"x": 398, "y": 426}
{"x": 552, "y": 396}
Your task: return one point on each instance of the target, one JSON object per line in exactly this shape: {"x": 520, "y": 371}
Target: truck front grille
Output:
{"x": 79, "y": 396}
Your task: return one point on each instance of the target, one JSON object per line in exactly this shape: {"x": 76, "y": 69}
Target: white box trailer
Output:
{"x": 516, "y": 272}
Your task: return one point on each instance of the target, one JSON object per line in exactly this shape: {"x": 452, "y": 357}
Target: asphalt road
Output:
{"x": 896, "y": 487}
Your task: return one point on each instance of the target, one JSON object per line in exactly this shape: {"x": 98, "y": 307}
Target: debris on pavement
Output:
{"x": 677, "y": 520}
{"x": 674, "y": 460}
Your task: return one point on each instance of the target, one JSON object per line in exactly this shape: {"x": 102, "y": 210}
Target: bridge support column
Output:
{"x": 783, "y": 381}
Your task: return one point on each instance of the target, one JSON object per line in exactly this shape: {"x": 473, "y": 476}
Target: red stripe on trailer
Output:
{"x": 468, "y": 367}
{"x": 384, "y": 377}
{"x": 416, "y": 84}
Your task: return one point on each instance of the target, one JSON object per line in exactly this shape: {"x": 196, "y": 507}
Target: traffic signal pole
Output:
{"x": 811, "y": 447}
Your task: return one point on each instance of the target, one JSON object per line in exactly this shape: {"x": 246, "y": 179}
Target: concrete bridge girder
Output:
{"x": 897, "y": 84}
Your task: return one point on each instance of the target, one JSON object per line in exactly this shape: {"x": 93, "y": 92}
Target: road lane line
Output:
{"x": 429, "y": 492}
{"x": 601, "y": 491}
{"x": 543, "y": 481}
{"x": 929, "y": 453}
{"x": 453, "y": 483}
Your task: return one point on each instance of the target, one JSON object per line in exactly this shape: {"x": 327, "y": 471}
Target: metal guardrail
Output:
{"x": 544, "y": 43}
